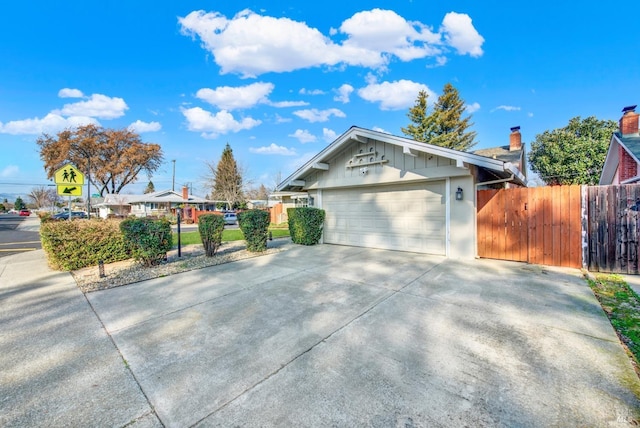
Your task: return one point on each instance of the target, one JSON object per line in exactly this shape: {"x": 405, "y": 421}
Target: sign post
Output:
{"x": 69, "y": 182}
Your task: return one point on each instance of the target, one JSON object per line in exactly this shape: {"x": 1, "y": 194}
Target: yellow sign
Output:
{"x": 70, "y": 190}
{"x": 68, "y": 175}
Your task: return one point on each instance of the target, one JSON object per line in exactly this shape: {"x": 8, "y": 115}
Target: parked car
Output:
{"x": 230, "y": 218}
{"x": 25, "y": 213}
{"x": 74, "y": 215}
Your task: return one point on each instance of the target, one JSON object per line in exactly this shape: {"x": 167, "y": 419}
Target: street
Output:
{"x": 14, "y": 240}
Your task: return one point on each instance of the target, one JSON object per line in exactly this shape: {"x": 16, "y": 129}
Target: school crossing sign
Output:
{"x": 69, "y": 181}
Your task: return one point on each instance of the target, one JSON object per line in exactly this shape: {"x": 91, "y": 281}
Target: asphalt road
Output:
{"x": 13, "y": 240}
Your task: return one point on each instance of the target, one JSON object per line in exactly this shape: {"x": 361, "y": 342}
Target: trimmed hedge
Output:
{"x": 77, "y": 244}
{"x": 305, "y": 225}
{"x": 149, "y": 239}
{"x": 210, "y": 227}
{"x": 255, "y": 228}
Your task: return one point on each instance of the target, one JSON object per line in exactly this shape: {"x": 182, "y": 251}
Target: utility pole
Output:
{"x": 173, "y": 182}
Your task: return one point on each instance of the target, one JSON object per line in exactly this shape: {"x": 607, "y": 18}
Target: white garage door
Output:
{"x": 401, "y": 217}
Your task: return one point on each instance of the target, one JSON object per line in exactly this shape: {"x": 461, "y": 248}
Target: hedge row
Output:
{"x": 255, "y": 228}
{"x": 76, "y": 244}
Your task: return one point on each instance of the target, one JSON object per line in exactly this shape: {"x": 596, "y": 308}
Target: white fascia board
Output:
{"x": 360, "y": 134}
{"x": 511, "y": 168}
{"x": 610, "y": 162}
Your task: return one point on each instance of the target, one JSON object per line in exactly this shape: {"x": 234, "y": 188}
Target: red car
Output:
{"x": 25, "y": 213}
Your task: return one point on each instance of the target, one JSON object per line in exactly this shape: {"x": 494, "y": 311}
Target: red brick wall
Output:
{"x": 629, "y": 123}
{"x": 628, "y": 167}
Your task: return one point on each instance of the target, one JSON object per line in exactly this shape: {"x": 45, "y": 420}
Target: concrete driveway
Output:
{"x": 341, "y": 336}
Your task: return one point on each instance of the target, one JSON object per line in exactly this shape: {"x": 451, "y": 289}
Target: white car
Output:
{"x": 230, "y": 218}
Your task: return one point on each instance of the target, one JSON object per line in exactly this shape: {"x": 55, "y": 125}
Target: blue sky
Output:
{"x": 279, "y": 81}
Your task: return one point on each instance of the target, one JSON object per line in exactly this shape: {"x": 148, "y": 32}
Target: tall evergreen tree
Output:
{"x": 227, "y": 180}
{"x": 421, "y": 128}
{"x": 444, "y": 126}
{"x": 19, "y": 204}
{"x": 150, "y": 188}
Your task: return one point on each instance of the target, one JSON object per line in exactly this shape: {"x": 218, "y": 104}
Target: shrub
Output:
{"x": 255, "y": 228}
{"x": 305, "y": 225}
{"x": 80, "y": 243}
{"x": 210, "y": 227}
{"x": 149, "y": 239}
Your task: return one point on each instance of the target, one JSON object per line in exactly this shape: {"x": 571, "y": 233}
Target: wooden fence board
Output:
{"x": 536, "y": 225}
{"x": 613, "y": 228}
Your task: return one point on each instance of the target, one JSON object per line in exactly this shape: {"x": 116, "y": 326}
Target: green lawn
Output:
{"x": 622, "y": 306}
{"x": 188, "y": 238}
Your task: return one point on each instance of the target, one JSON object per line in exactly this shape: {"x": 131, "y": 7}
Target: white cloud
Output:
{"x": 284, "y": 104}
{"x": 506, "y": 108}
{"x": 280, "y": 119}
{"x": 460, "y": 34}
{"x": 377, "y": 128}
{"x": 50, "y": 124}
{"x": 139, "y": 126}
{"x": 212, "y": 125}
{"x": 395, "y": 95}
{"x": 529, "y": 114}
{"x": 472, "y": 108}
{"x": 329, "y": 135}
{"x": 315, "y": 115}
{"x": 304, "y": 91}
{"x": 70, "y": 93}
{"x": 273, "y": 149}
{"x": 377, "y": 34}
{"x": 10, "y": 171}
{"x": 232, "y": 98}
{"x": 343, "y": 93}
{"x": 251, "y": 44}
{"x": 98, "y": 105}
{"x": 303, "y": 136}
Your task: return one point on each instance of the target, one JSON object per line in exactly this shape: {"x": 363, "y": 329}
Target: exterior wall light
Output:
{"x": 459, "y": 194}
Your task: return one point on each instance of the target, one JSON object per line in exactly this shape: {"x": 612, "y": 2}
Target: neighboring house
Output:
{"x": 159, "y": 203}
{"x": 621, "y": 163}
{"x": 383, "y": 191}
{"x": 514, "y": 153}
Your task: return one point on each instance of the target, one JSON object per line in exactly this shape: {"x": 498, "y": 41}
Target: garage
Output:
{"x": 407, "y": 217}
{"x": 382, "y": 191}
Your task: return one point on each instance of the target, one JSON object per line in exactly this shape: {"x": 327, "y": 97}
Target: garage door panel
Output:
{"x": 401, "y": 217}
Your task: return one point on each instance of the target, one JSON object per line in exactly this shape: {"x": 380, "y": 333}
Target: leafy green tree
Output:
{"x": 226, "y": 180}
{"x": 150, "y": 188}
{"x": 19, "y": 204}
{"x": 573, "y": 154}
{"x": 445, "y": 126}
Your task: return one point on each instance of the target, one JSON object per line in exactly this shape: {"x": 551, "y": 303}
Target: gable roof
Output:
{"x": 160, "y": 196}
{"x": 502, "y": 153}
{"x": 500, "y": 168}
{"x": 631, "y": 144}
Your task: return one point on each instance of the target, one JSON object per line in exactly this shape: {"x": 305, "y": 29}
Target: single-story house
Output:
{"x": 383, "y": 191}
{"x": 159, "y": 203}
{"x": 623, "y": 156}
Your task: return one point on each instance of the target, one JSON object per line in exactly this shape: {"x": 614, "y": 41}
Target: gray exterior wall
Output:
{"x": 391, "y": 166}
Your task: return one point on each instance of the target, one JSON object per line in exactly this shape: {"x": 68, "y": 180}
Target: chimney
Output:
{"x": 629, "y": 121}
{"x": 515, "y": 139}
{"x": 185, "y": 193}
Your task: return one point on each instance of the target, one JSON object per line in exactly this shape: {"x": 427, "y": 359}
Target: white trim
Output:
{"x": 363, "y": 135}
{"x": 447, "y": 217}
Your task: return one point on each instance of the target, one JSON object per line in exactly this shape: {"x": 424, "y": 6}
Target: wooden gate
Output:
{"x": 613, "y": 228}
{"x": 541, "y": 225}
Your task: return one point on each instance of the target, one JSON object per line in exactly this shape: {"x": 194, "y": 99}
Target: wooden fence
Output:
{"x": 613, "y": 228}
{"x": 541, "y": 225}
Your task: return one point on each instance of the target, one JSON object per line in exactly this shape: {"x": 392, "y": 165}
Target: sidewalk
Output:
{"x": 58, "y": 365}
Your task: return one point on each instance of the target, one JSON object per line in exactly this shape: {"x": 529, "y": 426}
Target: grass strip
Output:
{"x": 622, "y": 306}
{"x": 189, "y": 238}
